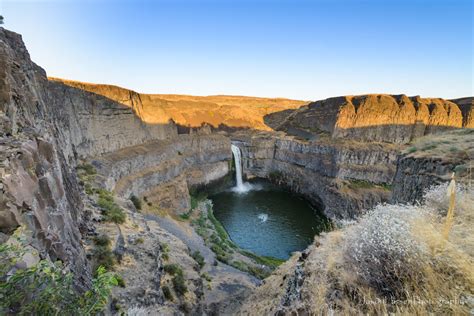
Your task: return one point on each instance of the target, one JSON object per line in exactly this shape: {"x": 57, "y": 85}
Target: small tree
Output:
{"x": 1, "y": 19}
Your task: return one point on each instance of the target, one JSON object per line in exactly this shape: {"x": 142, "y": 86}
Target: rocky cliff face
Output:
{"x": 346, "y": 163}
{"x": 219, "y": 111}
{"x": 318, "y": 280}
{"x": 466, "y": 105}
{"x": 381, "y": 118}
{"x": 334, "y": 175}
{"x": 47, "y": 127}
{"x": 38, "y": 187}
{"x": 94, "y": 125}
{"x": 165, "y": 170}
{"x": 433, "y": 160}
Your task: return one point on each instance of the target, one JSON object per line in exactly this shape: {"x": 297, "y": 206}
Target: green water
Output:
{"x": 268, "y": 221}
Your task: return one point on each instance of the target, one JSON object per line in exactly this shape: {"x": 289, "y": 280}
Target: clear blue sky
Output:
{"x": 298, "y": 49}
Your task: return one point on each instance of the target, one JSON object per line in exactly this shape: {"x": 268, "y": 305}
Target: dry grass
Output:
{"x": 396, "y": 259}
{"x": 393, "y": 260}
{"x": 452, "y": 145}
{"x": 193, "y": 111}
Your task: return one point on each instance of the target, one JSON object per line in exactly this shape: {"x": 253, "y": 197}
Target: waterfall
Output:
{"x": 241, "y": 186}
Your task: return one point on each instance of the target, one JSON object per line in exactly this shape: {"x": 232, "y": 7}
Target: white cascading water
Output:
{"x": 241, "y": 187}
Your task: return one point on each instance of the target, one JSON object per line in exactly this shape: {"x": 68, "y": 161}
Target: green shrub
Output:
{"x": 102, "y": 240}
{"x": 186, "y": 215}
{"x": 360, "y": 184}
{"x": 136, "y": 202}
{"x": 194, "y": 202}
{"x": 460, "y": 169}
{"x": 179, "y": 284}
{"x": 165, "y": 251}
{"x": 198, "y": 258}
{"x": 111, "y": 211}
{"x": 103, "y": 193}
{"x": 87, "y": 168}
{"x": 88, "y": 188}
{"x": 197, "y": 197}
{"x": 173, "y": 269}
{"x": 120, "y": 280}
{"x": 220, "y": 229}
{"x": 411, "y": 150}
{"x": 116, "y": 215}
{"x": 105, "y": 204}
{"x": 385, "y": 186}
{"x": 206, "y": 277}
{"x": 258, "y": 272}
{"x": 167, "y": 293}
{"x": 47, "y": 289}
{"x": 223, "y": 258}
{"x": 242, "y": 266}
{"x": 265, "y": 260}
{"x": 101, "y": 252}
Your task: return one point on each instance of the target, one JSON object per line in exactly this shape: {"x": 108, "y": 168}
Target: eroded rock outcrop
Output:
{"x": 466, "y": 105}
{"x": 327, "y": 173}
{"x": 432, "y": 160}
{"x": 38, "y": 187}
{"x": 164, "y": 171}
{"x": 220, "y": 111}
{"x": 381, "y": 118}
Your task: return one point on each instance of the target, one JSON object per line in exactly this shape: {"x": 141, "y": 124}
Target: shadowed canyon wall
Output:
{"x": 38, "y": 186}
{"x": 48, "y": 128}
{"x": 327, "y": 173}
{"x": 193, "y": 111}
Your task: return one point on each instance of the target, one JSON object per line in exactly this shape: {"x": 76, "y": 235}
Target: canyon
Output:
{"x": 344, "y": 154}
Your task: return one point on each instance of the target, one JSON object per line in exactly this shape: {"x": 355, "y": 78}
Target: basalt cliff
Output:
{"x": 65, "y": 143}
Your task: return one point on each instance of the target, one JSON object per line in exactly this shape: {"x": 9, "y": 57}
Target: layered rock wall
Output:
{"x": 95, "y": 125}
{"x": 38, "y": 186}
{"x": 415, "y": 175}
{"x": 219, "y": 111}
{"x": 380, "y": 118}
{"x": 48, "y": 127}
{"x": 165, "y": 170}
{"x": 322, "y": 171}
{"x": 433, "y": 160}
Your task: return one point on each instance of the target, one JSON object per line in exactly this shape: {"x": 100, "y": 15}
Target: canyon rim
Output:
{"x": 117, "y": 202}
